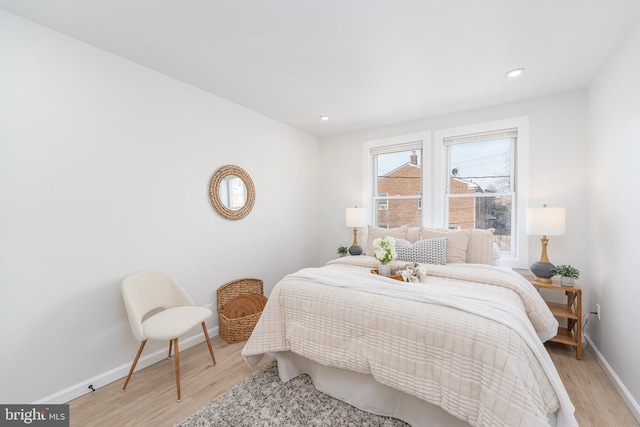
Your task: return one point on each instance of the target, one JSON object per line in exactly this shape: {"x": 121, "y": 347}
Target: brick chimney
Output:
{"x": 414, "y": 158}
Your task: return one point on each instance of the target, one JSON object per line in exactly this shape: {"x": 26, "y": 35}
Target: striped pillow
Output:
{"x": 428, "y": 251}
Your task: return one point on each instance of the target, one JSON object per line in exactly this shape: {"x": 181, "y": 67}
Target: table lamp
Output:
{"x": 356, "y": 217}
{"x": 545, "y": 222}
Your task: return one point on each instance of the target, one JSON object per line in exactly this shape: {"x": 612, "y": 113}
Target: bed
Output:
{"x": 462, "y": 347}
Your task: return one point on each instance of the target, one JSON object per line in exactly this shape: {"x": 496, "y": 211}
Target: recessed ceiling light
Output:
{"x": 324, "y": 118}
{"x": 515, "y": 72}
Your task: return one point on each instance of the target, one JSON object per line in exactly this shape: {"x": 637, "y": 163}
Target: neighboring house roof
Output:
{"x": 408, "y": 164}
{"x": 470, "y": 184}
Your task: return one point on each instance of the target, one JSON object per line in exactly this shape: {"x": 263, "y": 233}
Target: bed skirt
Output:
{"x": 365, "y": 393}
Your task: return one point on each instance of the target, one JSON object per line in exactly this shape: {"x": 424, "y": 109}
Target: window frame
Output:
{"x": 519, "y": 257}
{"x": 423, "y": 139}
{"x": 512, "y": 136}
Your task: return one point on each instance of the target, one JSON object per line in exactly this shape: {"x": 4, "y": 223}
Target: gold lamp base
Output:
{"x": 354, "y": 249}
{"x": 542, "y": 269}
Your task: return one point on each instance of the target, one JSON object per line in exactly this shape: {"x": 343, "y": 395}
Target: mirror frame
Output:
{"x": 214, "y": 192}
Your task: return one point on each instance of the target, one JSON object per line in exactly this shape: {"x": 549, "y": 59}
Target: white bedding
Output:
{"x": 466, "y": 340}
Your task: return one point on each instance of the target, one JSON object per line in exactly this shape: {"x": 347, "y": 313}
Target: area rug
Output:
{"x": 263, "y": 400}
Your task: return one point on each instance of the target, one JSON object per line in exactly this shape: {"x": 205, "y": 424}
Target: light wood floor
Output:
{"x": 150, "y": 399}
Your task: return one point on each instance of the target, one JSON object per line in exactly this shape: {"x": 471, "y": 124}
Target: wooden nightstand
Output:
{"x": 572, "y": 311}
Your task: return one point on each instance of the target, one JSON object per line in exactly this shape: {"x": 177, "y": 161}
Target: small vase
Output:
{"x": 566, "y": 281}
{"x": 385, "y": 269}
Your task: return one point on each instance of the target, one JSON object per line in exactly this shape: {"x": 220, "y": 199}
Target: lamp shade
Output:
{"x": 546, "y": 221}
{"x": 356, "y": 217}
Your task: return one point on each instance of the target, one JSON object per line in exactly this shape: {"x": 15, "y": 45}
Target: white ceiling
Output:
{"x": 364, "y": 63}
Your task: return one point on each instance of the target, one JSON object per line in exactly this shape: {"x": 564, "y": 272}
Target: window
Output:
{"x": 396, "y": 183}
{"x": 383, "y": 204}
{"x": 494, "y": 156}
{"x": 480, "y": 183}
{"x": 469, "y": 176}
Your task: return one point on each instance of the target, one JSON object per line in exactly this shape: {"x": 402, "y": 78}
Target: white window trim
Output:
{"x": 521, "y": 176}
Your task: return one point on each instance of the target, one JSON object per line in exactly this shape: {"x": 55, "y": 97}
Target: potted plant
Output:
{"x": 567, "y": 274}
{"x": 342, "y": 251}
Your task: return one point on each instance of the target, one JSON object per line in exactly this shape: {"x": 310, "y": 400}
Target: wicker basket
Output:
{"x": 235, "y": 330}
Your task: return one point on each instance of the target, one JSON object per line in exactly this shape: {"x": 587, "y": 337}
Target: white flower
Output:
{"x": 385, "y": 249}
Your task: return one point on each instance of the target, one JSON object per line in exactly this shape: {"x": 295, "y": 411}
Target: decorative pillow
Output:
{"x": 480, "y": 250}
{"x": 375, "y": 232}
{"x": 457, "y": 243}
{"x": 429, "y": 251}
{"x": 414, "y": 233}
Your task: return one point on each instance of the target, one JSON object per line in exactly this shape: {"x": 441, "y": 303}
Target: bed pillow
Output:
{"x": 376, "y": 232}
{"x": 480, "y": 250}
{"x": 428, "y": 251}
{"x": 458, "y": 241}
{"x": 414, "y": 233}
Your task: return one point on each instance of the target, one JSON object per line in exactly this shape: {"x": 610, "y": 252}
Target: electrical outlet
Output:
{"x": 598, "y": 311}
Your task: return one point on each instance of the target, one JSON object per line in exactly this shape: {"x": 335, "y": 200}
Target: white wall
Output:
{"x": 104, "y": 171}
{"x": 614, "y": 161}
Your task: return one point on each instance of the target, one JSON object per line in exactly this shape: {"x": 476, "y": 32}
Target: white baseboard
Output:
{"x": 82, "y": 388}
{"x": 633, "y": 405}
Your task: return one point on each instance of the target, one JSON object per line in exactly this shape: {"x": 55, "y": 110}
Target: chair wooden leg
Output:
{"x": 177, "y": 362}
{"x": 206, "y": 336}
{"x": 170, "y": 344}
{"x": 133, "y": 366}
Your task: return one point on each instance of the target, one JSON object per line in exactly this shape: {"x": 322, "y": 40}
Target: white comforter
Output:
{"x": 467, "y": 339}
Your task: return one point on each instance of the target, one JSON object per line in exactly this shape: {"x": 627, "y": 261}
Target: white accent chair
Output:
{"x": 159, "y": 309}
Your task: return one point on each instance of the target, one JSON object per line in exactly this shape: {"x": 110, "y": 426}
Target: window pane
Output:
{"x": 484, "y": 212}
{"x": 480, "y": 167}
{"x": 399, "y": 174}
{"x": 476, "y": 169}
{"x": 400, "y": 212}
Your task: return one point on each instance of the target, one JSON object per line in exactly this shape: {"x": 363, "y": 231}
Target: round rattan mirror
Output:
{"x": 232, "y": 192}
